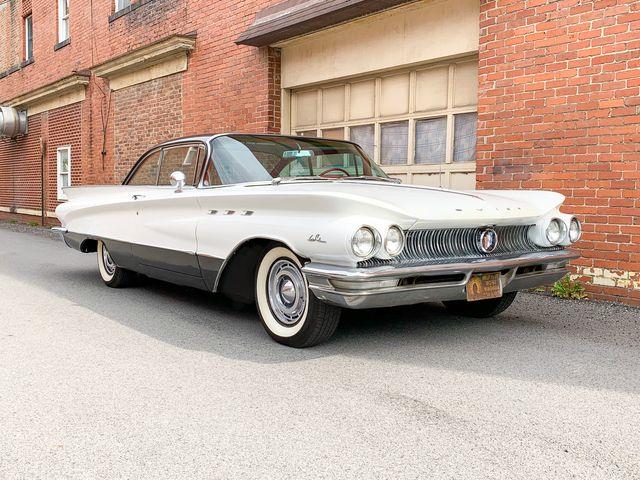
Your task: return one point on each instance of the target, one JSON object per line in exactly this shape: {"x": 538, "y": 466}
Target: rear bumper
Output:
{"x": 389, "y": 285}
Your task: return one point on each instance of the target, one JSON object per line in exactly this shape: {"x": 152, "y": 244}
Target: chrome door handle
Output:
{"x": 136, "y": 197}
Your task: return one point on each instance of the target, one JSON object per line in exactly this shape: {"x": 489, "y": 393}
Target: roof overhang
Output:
{"x": 162, "y": 58}
{"x": 292, "y": 18}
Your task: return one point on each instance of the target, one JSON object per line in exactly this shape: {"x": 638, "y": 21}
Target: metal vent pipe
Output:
{"x": 12, "y": 122}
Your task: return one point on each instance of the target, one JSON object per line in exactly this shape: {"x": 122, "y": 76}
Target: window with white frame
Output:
{"x": 28, "y": 37}
{"x": 419, "y": 123}
{"x": 120, "y": 4}
{"x": 63, "y": 20}
{"x": 64, "y": 170}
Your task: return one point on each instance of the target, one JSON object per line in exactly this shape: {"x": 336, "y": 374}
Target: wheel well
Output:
{"x": 89, "y": 245}
{"x": 238, "y": 275}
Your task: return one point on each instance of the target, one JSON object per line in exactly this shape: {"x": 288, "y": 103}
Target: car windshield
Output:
{"x": 254, "y": 158}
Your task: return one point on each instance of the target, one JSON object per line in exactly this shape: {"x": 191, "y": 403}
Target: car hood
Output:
{"x": 425, "y": 205}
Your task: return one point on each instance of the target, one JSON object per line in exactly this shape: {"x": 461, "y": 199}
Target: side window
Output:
{"x": 28, "y": 38}
{"x": 63, "y": 20}
{"x": 63, "y": 156}
{"x": 211, "y": 177}
{"x": 182, "y": 159}
{"x": 120, "y": 4}
{"x": 147, "y": 171}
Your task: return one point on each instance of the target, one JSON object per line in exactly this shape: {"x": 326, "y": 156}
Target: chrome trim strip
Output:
{"x": 353, "y": 287}
{"x": 390, "y": 297}
{"x": 61, "y": 230}
{"x": 478, "y": 265}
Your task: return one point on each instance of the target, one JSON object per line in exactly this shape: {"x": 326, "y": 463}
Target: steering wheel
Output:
{"x": 332, "y": 169}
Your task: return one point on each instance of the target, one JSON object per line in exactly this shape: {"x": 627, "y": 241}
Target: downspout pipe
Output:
{"x": 43, "y": 156}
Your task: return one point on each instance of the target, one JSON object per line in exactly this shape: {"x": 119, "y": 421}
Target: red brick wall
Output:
{"x": 226, "y": 87}
{"x": 145, "y": 115}
{"x": 20, "y": 169}
{"x": 10, "y": 34}
{"x": 559, "y": 109}
{"x": 21, "y": 162}
{"x": 64, "y": 127}
{"x": 229, "y": 87}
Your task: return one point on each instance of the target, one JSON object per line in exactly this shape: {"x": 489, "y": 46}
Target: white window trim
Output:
{"x": 63, "y": 22}
{"x": 61, "y": 195}
{"x": 28, "y": 32}
{"x": 121, "y": 4}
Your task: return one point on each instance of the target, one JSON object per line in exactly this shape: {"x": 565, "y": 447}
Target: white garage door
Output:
{"x": 419, "y": 124}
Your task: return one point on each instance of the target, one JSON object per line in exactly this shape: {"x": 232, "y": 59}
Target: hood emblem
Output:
{"x": 488, "y": 240}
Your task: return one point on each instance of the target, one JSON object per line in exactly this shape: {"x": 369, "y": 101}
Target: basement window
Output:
{"x": 63, "y": 20}
{"x": 28, "y": 38}
{"x": 120, "y": 4}
{"x": 64, "y": 170}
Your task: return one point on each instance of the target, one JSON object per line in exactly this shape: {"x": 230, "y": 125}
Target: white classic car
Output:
{"x": 306, "y": 226}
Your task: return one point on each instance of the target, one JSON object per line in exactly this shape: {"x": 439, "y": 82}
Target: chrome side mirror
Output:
{"x": 177, "y": 180}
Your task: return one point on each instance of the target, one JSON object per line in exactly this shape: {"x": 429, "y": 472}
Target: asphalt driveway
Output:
{"x": 159, "y": 381}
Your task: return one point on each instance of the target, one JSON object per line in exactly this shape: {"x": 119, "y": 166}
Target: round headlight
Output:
{"x": 363, "y": 242}
{"x": 394, "y": 241}
{"x": 554, "y": 231}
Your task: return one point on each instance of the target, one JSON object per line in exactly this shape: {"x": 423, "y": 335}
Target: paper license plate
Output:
{"x": 483, "y": 286}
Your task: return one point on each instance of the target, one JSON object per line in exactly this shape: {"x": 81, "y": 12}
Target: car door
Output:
{"x": 119, "y": 220}
{"x": 165, "y": 240}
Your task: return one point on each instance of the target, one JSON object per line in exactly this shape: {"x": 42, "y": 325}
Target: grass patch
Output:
{"x": 33, "y": 224}
{"x": 569, "y": 289}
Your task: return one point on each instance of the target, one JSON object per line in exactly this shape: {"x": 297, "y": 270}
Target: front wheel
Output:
{"x": 289, "y": 311}
{"x": 111, "y": 274}
{"x": 481, "y": 308}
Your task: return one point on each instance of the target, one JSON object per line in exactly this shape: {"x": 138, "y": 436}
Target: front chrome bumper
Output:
{"x": 389, "y": 285}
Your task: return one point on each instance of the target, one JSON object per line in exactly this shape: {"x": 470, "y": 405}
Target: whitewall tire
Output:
{"x": 289, "y": 311}
{"x": 112, "y": 275}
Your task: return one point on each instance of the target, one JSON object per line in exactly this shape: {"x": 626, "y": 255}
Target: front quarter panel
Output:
{"x": 319, "y": 229}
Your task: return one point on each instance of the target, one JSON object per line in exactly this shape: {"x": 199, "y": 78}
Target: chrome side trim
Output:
{"x": 60, "y": 230}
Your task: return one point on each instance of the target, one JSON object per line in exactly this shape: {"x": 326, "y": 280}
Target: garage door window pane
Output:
{"x": 394, "y": 141}
{"x": 364, "y": 136}
{"x": 333, "y": 133}
{"x": 465, "y": 136}
{"x": 431, "y": 140}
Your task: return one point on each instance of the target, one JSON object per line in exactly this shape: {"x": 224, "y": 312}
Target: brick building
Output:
{"x": 540, "y": 94}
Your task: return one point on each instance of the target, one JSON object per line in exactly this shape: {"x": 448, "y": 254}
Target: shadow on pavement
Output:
{"x": 527, "y": 342}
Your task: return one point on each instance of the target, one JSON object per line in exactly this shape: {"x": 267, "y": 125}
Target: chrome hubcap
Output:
{"x": 287, "y": 292}
{"x": 107, "y": 261}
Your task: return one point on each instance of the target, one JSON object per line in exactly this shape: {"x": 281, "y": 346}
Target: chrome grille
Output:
{"x": 447, "y": 244}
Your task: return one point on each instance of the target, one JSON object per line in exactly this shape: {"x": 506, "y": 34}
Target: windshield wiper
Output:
{"x": 372, "y": 178}
{"x": 306, "y": 178}
{"x": 301, "y": 178}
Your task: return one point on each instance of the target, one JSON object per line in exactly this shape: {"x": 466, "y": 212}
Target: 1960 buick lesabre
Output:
{"x": 304, "y": 227}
